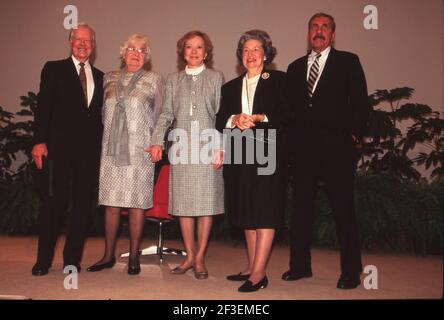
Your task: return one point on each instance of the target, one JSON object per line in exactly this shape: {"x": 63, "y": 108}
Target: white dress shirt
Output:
{"x": 89, "y": 77}
{"x": 322, "y": 60}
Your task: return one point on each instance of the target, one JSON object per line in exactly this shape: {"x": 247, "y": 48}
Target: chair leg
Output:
{"x": 159, "y": 249}
{"x": 160, "y": 246}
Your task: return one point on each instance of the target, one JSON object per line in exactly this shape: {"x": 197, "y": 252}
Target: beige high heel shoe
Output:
{"x": 179, "y": 270}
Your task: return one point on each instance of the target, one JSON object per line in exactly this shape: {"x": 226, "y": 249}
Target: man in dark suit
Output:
{"x": 67, "y": 139}
{"x": 327, "y": 93}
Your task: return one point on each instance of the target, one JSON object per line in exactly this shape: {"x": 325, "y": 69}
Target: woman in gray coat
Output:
{"x": 196, "y": 190}
{"x": 132, "y": 103}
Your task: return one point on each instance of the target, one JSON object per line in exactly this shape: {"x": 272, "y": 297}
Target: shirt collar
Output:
{"x": 76, "y": 62}
{"x": 194, "y": 71}
{"x": 253, "y": 79}
{"x": 324, "y": 54}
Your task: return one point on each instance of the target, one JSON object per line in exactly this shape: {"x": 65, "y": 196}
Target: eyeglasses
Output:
{"x": 138, "y": 50}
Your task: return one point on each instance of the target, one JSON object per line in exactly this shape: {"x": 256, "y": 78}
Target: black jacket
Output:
{"x": 268, "y": 99}
{"x": 62, "y": 119}
{"x": 339, "y": 104}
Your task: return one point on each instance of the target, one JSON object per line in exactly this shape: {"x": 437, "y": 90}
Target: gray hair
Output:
{"x": 263, "y": 37}
{"x": 83, "y": 25}
{"x": 132, "y": 39}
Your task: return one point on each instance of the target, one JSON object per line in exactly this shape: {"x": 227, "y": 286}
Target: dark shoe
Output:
{"x": 348, "y": 282}
{"x": 238, "y": 277}
{"x": 133, "y": 270}
{"x": 293, "y": 276}
{"x": 76, "y": 265}
{"x": 134, "y": 264}
{"x": 100, "y": 266}
{"x": 249, "y": 287}
{"x": 179, "y": 270}
{"x": 38, "y": 270}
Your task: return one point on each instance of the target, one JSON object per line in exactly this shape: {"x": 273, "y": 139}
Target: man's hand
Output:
{"x": 155, "y": 151}
{"x": 39, "y": 151}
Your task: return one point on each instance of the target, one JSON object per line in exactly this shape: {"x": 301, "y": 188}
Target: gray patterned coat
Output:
{"x": 130, "y": 186}
{"x": 195, "y": 188}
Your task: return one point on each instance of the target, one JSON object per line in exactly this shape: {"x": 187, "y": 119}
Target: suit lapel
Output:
{"x": 303, "y": 74}
{"x": 259, "y": 98}
{"x": 96, "y": 77}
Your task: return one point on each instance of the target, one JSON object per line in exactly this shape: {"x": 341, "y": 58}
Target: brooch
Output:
{"x": 265, "y": 75}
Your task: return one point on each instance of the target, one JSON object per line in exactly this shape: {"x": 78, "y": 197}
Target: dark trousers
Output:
{"x": 336, "y": 169}
{"x": 61, "y": 178}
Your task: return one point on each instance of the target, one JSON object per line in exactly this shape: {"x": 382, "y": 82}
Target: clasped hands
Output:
{"x": 245, "y": 121}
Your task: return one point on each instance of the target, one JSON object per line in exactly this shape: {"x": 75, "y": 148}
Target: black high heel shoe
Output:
{"x": 101, "y": 266}
{"x": 134, "y": 269}
{"x": 238, "y": 277}
{"x": 249, "y": 287}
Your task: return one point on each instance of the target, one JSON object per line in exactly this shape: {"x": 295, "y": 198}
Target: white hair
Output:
{"x": 83, "y": 25}
{"x": 133, "y": 39}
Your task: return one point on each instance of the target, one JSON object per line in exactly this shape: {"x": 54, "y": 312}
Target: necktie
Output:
{"x": 82, "y": 76}
{"x": 313, "y": 75}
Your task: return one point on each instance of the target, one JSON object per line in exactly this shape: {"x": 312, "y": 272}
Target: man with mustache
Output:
{"x": 327, "y": 93}
{"x": 67, "y": 137}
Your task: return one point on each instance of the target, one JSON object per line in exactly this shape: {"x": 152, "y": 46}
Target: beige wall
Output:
{"x": 407, "y": 50}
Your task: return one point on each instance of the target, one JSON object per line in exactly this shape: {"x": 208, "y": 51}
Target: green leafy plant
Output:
{"x": 19, "y": 202}
{"x": 393, "y": 215}
{"x": 428, "y": 132}
{"x": 386, "y": 151}
{"x": 16, "y": 137}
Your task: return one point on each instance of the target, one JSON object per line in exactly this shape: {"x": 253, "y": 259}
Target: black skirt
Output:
{"x": 255, "y": 200}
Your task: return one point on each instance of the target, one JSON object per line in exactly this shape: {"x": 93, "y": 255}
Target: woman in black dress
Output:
{"x": 253, "y": 105}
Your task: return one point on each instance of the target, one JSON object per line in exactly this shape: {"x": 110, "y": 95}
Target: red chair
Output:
{"x": 159, "y": 214}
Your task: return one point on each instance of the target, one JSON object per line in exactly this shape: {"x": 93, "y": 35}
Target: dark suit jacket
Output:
{"x": 62, "y": 119}
{"x": 338, "y": 109}
{"x": 268, "y": 99}
{"x": 242, "y": 182}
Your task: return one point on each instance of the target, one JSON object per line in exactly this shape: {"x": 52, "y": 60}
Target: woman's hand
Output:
{"x": 258, "y": 117}
{"x": 218, "y": 159}
{"x": 155, "y": 151}
{"x": 243, "y": 121}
